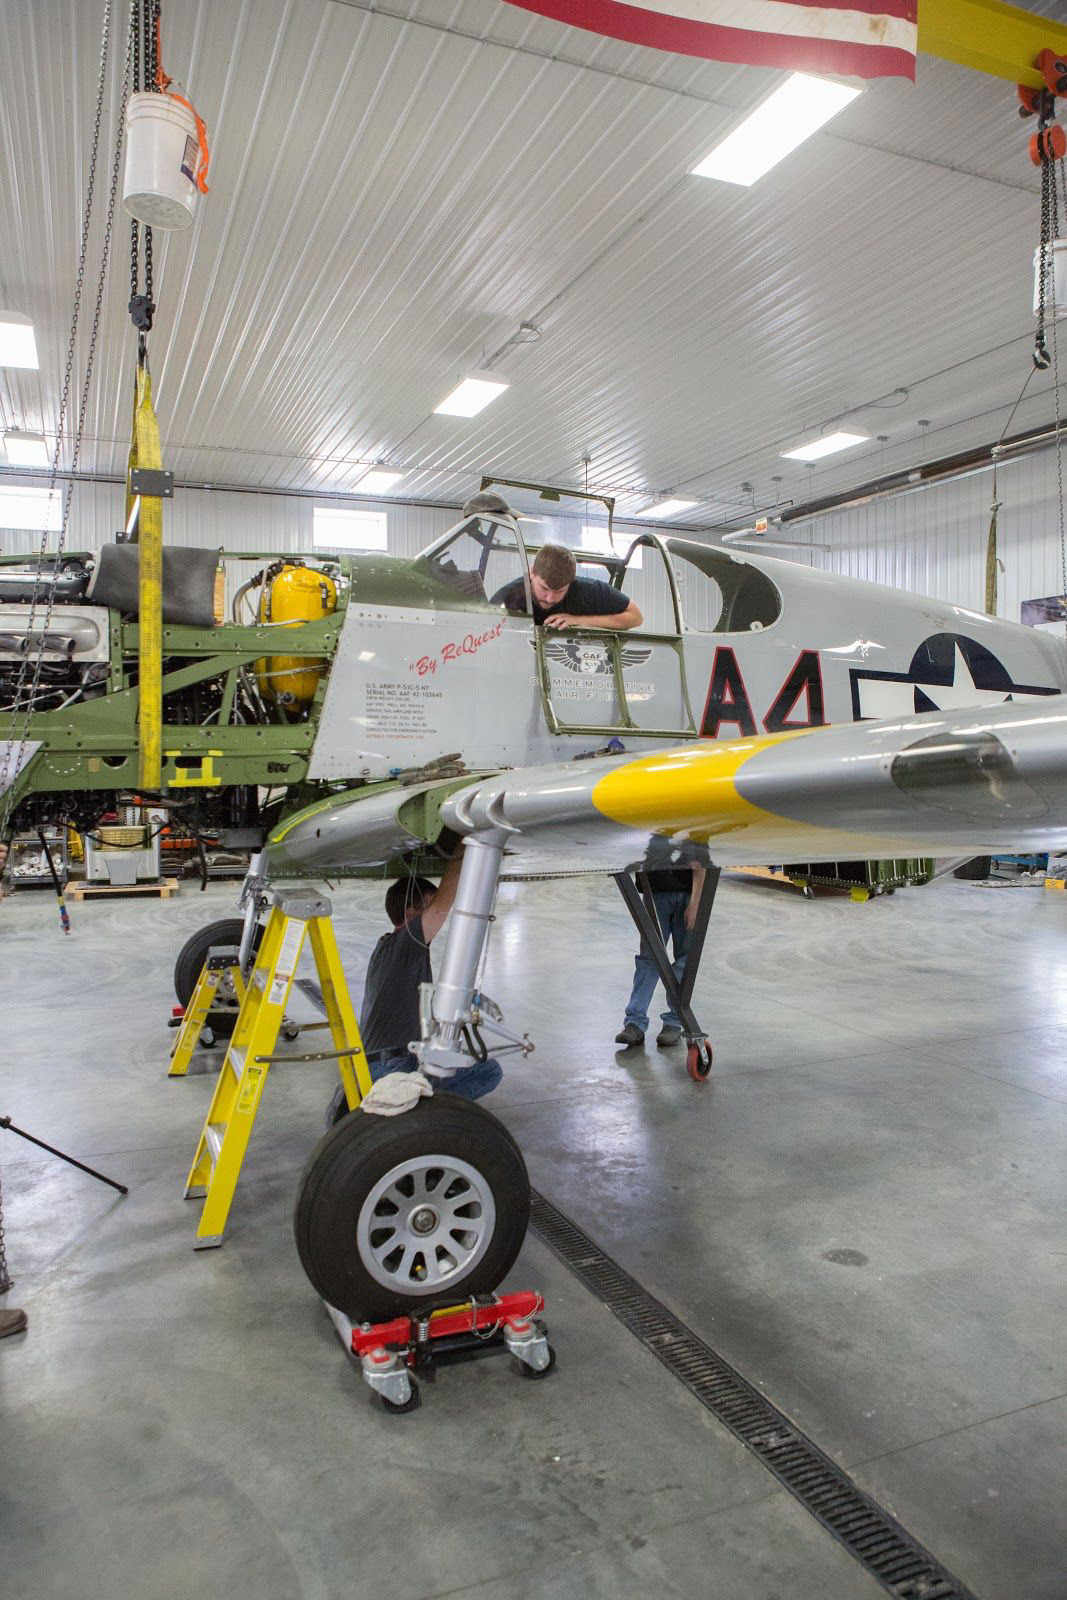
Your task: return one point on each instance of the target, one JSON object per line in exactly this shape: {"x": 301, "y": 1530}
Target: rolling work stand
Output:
{"x": 639, "y": 903}
{"x": 191, "y": 1022}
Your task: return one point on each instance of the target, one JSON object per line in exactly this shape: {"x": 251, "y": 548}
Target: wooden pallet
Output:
{"x": 166, "y": 889}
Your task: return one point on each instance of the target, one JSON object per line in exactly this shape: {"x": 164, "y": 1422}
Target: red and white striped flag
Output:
{"x": 862, "y": 39}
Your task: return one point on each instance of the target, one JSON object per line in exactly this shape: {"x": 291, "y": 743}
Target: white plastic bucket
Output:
{"x": 161, "y": 157}
{"x": 1055, "y": 260}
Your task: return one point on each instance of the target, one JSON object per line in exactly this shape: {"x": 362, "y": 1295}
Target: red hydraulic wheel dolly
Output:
{"x": 391, "y": 1353}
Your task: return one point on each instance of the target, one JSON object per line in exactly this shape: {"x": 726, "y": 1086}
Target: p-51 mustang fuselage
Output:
{"x": 393, "y": 664}
{"x": 731, "y": 644}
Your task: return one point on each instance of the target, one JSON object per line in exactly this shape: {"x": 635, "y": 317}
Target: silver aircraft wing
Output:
{"x": 934, "y": 783}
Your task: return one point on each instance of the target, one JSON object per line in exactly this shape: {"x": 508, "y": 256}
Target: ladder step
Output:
{"x": 236, "y": 1059}
{"x": 214, "y": 1134}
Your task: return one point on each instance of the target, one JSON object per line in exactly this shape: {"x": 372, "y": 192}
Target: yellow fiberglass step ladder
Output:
{"x": 218, "y": 973}
{"x": 295, "y": 913}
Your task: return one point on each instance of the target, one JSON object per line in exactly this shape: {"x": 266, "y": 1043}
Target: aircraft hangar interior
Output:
{"x": 533, "y": 799}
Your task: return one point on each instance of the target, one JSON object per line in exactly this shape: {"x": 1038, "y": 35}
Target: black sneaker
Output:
{"x": 630, "y": 1035}
{"x": 668, "y": 1035}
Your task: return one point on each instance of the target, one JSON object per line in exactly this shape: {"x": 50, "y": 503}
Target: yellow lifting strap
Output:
{"x": 991, "y": 37}
{"x": 145, "y": 453}
{"x": 991, "y": 562}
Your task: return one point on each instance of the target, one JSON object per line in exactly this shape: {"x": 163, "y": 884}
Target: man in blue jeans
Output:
{"x": 676, "y": 896}
{"x": 400, "y": 962}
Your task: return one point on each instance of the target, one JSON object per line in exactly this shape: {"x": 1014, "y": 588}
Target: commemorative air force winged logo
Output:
{"x": 579, "y": 655}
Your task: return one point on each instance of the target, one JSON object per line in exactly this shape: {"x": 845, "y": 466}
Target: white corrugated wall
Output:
{"x": 934, "y": 542}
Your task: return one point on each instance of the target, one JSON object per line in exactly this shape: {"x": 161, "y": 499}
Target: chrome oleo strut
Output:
{"x": 454, "y": 1016}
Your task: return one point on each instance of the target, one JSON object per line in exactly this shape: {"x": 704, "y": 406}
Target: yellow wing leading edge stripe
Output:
{"x": 692, "y": 790}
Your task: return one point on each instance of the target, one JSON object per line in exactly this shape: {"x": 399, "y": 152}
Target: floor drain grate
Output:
{"x": 901, "y": 1564}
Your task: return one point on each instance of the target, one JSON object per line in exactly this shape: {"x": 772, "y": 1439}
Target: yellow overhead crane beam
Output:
{"x": 989, "y": 37}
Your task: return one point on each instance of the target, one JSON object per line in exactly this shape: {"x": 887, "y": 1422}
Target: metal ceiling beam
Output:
{"x": 989, "y": 37}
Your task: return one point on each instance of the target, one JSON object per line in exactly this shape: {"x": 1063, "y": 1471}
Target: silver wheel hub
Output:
{"x": 426, "y": 1223}
{"x": 424, "y": 1220}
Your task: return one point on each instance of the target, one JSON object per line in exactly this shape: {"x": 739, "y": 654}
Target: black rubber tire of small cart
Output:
{"x": 356, "y": 1154}
{"x": 213, "y": 939}
{"x": 534, "y": 1373}
{"x": 412, "y": 1403}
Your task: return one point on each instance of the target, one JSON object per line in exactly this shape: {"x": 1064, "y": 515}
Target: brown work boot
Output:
{"x": 12, "y": 1321}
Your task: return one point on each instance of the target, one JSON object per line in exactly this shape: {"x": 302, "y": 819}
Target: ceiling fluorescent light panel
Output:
{"x": 375, "y": 480}
{"x": 26, "y": 449}
{"x": 828, "y": 445}
{"x": 18, "y": 347}
{"x": 472, "y": 395}
{"x": 667, "y": 508}
{"x": 798, "y": 108}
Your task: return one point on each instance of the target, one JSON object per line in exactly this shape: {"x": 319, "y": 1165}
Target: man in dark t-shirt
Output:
{"x": 563, "y": 600}
{"x": 400, "y": 961}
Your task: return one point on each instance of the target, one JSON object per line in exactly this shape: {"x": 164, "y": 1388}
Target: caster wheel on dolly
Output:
{"x": 412, "y": 1403}
{"x": 698, "y": 1061}
{"x": 525, "y": 1371}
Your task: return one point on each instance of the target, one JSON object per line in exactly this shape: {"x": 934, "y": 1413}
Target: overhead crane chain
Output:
{"x": 16, "y": 741}
{"x": 1048, "y": 147}
{"x": 1050, "y": 221}
{"x": 144, "y": 47}
{"x": 1051, "y": 150}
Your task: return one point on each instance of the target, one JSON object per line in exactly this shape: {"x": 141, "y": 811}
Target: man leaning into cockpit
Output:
{"x": 563, "y": 600}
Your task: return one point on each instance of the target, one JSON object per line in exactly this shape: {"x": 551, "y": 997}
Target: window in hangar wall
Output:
{"x": 597, "y": 540}
{"x": 343, "y": 528}
{"x": 31, "y": 509}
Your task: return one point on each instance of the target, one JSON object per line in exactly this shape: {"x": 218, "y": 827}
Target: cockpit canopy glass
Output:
{"x": 476, "y": 560}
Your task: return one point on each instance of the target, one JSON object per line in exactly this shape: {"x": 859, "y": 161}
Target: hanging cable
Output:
{"x": 993, "y": 564}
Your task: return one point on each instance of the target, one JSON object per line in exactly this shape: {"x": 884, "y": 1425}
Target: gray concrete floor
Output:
{"x": 890, "y": 1079}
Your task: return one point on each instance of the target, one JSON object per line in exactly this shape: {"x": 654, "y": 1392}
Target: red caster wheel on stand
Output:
{"x": 698, "y": 1061}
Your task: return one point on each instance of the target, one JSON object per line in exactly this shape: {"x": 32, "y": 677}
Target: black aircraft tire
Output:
{"x": 336, "y": 1219}
{"x": 214, "y": 938}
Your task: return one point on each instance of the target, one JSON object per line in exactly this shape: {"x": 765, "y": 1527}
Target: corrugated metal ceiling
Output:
{"x": 394, "y": 189}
